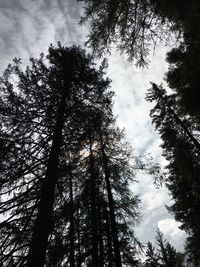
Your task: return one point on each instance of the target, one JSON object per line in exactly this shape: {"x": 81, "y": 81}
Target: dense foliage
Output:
{"x": 65, "y": 166}
{"x": 181, "y": 148}
{"x": 132, "y": 26}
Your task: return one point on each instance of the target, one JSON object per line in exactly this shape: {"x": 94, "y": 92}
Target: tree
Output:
{"x": 36, "y": 108}
{"x": 183, "y": 74}
{"x": 165, "y": 255}
{"x": 168, "y": 255}
{"x": 152, "y": 256}
{"x": 131, "y": 25}
{"x": 183, "y": 77}
{"x": 100, "y": 249}
{"x": 134, "y": 25}
{"x": 65, "y": 166}
{"x": 180, "y": 135}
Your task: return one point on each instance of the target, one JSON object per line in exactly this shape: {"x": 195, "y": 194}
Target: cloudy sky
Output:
{"x": 27, "y": 27}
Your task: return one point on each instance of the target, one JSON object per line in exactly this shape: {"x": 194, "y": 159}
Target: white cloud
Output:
{"x": 153, "y": 198}
{"x": 28, "y": 27}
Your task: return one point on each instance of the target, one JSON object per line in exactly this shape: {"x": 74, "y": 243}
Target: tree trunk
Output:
{"x": 78, "y": 236}
{"x": 111, "y": 207}
{"x": 109, "y": 240}
{"x": 95, "y": 260}
{"x": 71, "y": 221}
{"x": 100, "y": 236}
{"x": 43, "y": 224}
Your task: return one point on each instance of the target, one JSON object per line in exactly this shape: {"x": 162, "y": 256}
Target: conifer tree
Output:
{"x": 165, "y": 255}
{"x": 131, "y": 25}
{"x": 152, "y": 256}
{"x": 183, "y": 74}
{"x": 38, "y": 106}
{"x": 65, "y": 167}
{"x": 180, "y": 135}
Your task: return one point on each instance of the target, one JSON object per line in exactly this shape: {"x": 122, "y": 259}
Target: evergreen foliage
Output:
{"x": 165, "y": 255}
{"x": 183, "y": 75}
{"x": 152, "y": 256}
{"x": 133, "y": 26}
{"x": 65, "y": 166}
{"x": 180, "y": 135}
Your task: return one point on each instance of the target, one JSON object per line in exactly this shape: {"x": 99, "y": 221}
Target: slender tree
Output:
{"x": 152, "y": 256}
{"x": 167, "y": 253}
{"x": 164, "y": 255}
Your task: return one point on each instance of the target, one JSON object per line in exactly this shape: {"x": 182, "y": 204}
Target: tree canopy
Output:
{"x": 66, "y": 167}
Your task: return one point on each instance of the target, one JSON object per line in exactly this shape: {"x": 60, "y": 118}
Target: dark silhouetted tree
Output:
{"x": 134, "y": 26}
{"x": 180, "y": 135}
{"x": 152, "y": 256}
{"x": 165, "y": 255}
{"x": 65, "y": 166}
{"x": 38, "y": 106}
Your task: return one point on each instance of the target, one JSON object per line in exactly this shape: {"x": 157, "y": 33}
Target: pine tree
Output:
{"x": 102, "y": 248}
{"x": 180, "y": 135}
{"x": 152, "y": 256}
{"x": 37, "y": 108}
{"x": 65, "y": 167}
{"x": 183, "y": 74}
{"x": 165, "y": 254}
{"x": 133, "y": 26}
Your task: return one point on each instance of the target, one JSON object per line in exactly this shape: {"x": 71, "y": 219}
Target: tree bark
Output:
{"x": 111, "y": 207}
{"x": 43, "y": 224}
{"x": 95, "y": 259}
{"x": 109, "y": 240}
{"x": 100, "y": 236}
{"x": 71, "y": 221}
{"x": 78, "y": 263}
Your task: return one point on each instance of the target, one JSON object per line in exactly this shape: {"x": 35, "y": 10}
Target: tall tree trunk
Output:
{"x": 109, "y": 240}
{"x": 95, "y": 260}
{"x": 71, "y": 220}
{"x": 100, "y": 236}
{"x": 78, "y": 236}
{"x": 111, "y": 206}
{"x": 43, "y": 224}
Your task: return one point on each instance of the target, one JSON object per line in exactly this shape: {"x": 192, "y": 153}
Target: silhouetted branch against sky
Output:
{"x": 28, "y": 27}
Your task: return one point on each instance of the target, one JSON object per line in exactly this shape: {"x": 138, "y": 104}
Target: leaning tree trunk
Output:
{"x": 111, "y": 207}
{"x": 43, "y": 224}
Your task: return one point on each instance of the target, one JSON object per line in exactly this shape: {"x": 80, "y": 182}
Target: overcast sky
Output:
{"x": 27, "y": 27}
